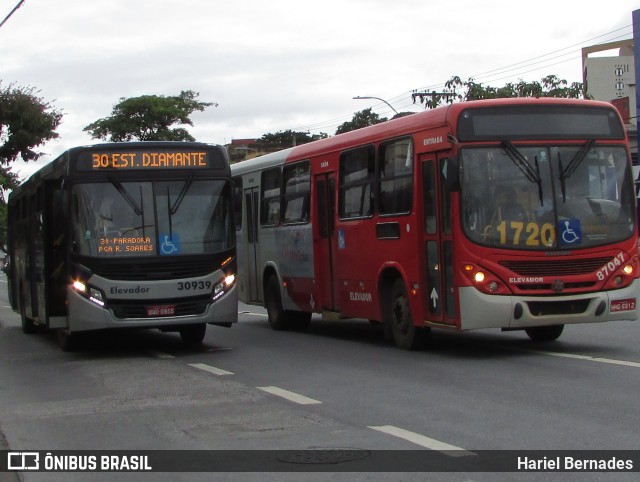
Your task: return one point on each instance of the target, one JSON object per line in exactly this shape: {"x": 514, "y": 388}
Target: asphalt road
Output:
{"x": 337, "y": 386}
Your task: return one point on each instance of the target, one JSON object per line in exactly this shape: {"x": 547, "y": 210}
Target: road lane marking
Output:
{"x": 210, "y": 369}
{"x": 588, "y": 358}
{"x": 252, "y": 314}
{"x": 291, "y": 396}
{"x": 423, "y": 441}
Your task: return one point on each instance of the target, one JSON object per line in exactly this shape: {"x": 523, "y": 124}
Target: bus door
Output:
{"x": 440, "y": 293}
{"x": 55, "y": 282}
{"x": 252, "y": 203}
{"x": 324, "y": 239}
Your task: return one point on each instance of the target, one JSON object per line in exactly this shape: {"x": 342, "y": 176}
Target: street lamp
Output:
{"x": 376, "y": 98}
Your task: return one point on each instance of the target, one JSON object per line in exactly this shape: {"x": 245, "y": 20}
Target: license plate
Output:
{"x": 623, "y": 305}
{"x": 161, "y": 310}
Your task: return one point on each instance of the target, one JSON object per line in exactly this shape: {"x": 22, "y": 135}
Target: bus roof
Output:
{"x": 439, "y": 116}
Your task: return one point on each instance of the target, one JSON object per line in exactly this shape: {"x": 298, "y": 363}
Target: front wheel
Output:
{"x": 544, "y": 333}
{"x": 28, "y": 326}
{"x": 193, "y": 335}
{"x": 405, "y": 334}
{"x": 67, "y": 341}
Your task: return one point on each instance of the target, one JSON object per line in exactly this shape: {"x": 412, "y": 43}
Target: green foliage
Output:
{"x": 457, "y": 90}
{"x": 363, "y": 118}
{"x": 26, "y": 122}
{"x": 149, "y": 118}
{"x": 282, "y": 139}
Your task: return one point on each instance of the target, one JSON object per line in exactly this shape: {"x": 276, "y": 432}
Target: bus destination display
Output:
{"x": 142, "y": 160}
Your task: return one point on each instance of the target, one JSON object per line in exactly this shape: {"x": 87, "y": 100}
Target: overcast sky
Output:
{"x": 273, "y": 65}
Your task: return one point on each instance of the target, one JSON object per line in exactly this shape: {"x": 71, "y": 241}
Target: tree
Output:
{"x": 282, "y": 139}
{"x": 26, "y": 122}
{"x": 363, "y": 118}
{"x": 149, "y": 118}
{"x": 457, "y": 90}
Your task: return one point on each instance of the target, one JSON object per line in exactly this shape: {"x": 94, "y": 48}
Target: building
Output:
{"x": 611, "y": 78}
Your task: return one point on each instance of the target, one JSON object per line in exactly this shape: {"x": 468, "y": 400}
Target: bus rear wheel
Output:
{"x": 405, "y": 334}
{"x": 193, "y": 335}
{"x": 544, "y": 333}
{"x": 273, "y": 303}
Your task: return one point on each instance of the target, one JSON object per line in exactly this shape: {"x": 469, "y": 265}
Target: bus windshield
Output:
{"x": 151, "y": 218}
{"x": 552, "y": 197}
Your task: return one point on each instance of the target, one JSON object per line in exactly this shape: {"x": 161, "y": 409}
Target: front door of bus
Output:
{"x": 251, "y": 202}
{"x": 324, "y": 238}
{"x": 440, "y": 293}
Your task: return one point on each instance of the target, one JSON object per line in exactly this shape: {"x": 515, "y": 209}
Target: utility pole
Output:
{"x": 12, "y": 12}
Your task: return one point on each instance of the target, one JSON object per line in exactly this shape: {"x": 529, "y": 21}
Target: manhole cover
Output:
{"x": 322, "y": 456}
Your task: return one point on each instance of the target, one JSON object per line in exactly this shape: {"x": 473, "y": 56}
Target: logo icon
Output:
{"x": 23, "y": 461}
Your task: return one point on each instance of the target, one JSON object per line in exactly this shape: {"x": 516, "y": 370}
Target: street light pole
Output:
{"x": 376, "y": 98}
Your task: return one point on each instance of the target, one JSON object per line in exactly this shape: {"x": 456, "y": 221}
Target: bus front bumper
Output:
{"x": 479, "y": 310}
{"x": 87, "y": 315}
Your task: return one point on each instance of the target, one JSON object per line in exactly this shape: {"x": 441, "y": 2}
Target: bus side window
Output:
{"x": 237, "y": 198}
{"x": 270, "y": 197}
{"x": 396, "y": 177}
{"x": 297, "y": 190}
{"x": 357, "y": 171}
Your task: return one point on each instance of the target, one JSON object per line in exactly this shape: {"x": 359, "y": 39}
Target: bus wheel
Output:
{"x": 28, "y": 326}
{"x": 544, "y": 333}
{"x": 193, "y": 335}
{"x": 67, "y": 341}
{"x": 273, "y": 303}
{"x": 405, "y": 334}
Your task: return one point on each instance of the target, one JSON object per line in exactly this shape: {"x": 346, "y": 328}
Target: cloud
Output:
{"x": 282, "y": 64}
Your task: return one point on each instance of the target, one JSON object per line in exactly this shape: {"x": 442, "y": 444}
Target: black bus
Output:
{"x": 119, "y": 235}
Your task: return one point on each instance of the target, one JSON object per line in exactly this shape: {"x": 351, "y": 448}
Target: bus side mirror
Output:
{"x": 451, "y": 173}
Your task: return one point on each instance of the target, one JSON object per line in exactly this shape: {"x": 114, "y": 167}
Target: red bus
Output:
{"x": 512, "y": 213}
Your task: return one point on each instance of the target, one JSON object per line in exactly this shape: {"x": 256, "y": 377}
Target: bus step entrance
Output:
{"x": 331, "y": 316}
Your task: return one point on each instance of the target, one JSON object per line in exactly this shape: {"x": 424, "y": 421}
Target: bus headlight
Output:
{"x": 222, "y": 287}
{"x": 92, "y": 294}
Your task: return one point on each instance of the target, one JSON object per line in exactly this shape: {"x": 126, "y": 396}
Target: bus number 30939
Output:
{"x": 194, "y": 285}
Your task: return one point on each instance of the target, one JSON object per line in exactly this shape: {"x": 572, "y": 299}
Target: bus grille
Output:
{"x": 137, "y": 309}
{"x": 158, "y": 270}
{"x": 556, "y": 268}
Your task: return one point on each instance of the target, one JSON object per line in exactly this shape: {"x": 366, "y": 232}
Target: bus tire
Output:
{"x": 273, "y": 303}
{"x": 67, "y": 341}
{"x": 192, "y": 335}
{"x": 28, "y": 326}
{"x": 405, "y": 334}
{"x": 544, "y": 333}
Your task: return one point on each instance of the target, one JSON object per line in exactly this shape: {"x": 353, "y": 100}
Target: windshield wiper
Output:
{"x": 127, "y": 197}
{"x": 575, "y": 161}
{"x": 533, "y": 175}
{"x": 172, "y": 209}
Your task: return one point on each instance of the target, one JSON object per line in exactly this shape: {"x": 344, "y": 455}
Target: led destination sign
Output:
{"x": 142, "y": 160}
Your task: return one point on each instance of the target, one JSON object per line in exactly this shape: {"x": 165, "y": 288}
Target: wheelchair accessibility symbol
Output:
{"x": 170, "y": 244}
{"x": 570, "y": 232}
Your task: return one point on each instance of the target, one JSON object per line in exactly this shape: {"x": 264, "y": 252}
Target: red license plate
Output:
{"x": 161, "y": 310}
{"x": 623, "y": 305}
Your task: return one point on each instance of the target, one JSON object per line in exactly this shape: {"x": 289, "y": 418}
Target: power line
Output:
{"x": 12, "y": 12}
{"x": 529, "y": 65}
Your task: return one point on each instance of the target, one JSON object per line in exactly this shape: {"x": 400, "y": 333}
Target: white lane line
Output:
{"x": 291, "y": 396}
{"x": 588, "y": 358}
{"x": 252, "y": 314}
{"x": 210, "y": 369}
{"x": 423, "y": 441}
